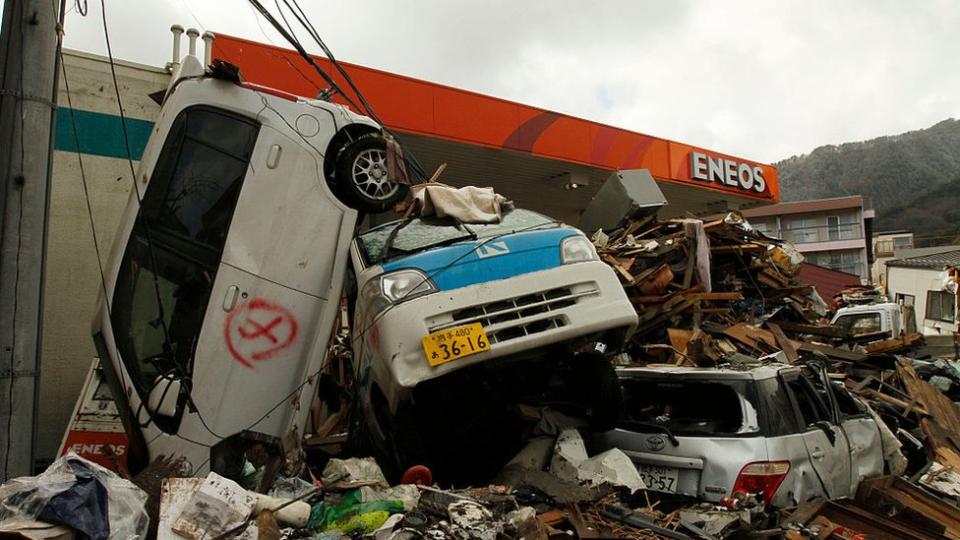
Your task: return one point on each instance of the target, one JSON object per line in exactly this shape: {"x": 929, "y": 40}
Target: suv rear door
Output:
{"x": 713, "y": 421}
{"x": 825, "y": 441}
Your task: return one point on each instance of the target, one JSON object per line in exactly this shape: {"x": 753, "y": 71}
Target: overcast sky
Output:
{"x": 760, "y": 79}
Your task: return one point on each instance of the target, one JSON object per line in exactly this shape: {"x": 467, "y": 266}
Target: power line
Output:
{"x": 288, "y": 34}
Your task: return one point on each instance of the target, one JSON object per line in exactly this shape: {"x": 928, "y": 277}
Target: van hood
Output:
{"x": 488, "y": 259}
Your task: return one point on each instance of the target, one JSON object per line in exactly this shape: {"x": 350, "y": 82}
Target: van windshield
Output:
{"x": 690, "y": 407}
{"x": 427, "y": 232}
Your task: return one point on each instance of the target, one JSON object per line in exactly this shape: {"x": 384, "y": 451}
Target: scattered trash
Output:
{"x": 353, "y": 472}
{"x": 217, "y": 506}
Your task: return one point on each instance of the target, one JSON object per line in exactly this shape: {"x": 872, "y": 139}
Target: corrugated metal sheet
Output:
{"x": 828, "y": 282}
{"x": 935, "y": 261}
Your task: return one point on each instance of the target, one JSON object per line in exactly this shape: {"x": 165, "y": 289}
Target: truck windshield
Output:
{"x": 859, "y": 323}
{"x": 426, "y": 232}
{"x": 690, "y": 407}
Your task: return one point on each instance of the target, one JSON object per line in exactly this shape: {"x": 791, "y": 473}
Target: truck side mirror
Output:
{"x": 164, "y": 396}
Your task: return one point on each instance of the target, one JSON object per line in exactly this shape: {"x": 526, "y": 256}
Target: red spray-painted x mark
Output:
{"x": 259, "y": 329}
{"x": 251, "y": 340}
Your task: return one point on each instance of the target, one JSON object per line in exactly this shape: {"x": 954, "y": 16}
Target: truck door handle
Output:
{"x": 230, "y": 298}
{"x": 817, "y": 454}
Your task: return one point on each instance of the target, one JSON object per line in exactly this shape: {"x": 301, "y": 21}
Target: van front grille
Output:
{"x": 519, "y": 316}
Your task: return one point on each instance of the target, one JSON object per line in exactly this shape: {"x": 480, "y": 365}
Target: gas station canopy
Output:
{"x": 543, "y": 160}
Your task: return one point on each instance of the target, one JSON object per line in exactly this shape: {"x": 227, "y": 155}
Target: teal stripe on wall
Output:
{"x": 100, "y": 134}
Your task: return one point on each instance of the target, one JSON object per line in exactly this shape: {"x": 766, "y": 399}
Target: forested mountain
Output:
{"x": 912, "y": 179}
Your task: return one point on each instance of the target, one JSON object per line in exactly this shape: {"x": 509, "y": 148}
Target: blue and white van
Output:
{"x": 455, "y": 321}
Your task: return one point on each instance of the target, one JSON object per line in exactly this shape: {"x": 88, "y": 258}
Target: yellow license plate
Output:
{"x": 448, "y": 345}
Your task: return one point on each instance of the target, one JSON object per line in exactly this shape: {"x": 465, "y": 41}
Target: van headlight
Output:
{"x": 403, "y": 284}
{"x": 577, "y": 249}
{"x": 381, "y": 292}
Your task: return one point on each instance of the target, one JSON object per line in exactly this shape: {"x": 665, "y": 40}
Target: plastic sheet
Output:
{"x": 79, "y": 494}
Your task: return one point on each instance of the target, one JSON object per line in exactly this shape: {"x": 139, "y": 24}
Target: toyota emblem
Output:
{"x": 655, "y": 443}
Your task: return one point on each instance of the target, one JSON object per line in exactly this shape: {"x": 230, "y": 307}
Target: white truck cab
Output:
{"x": 871, "y": 318}
{"x": 228, "y": 267}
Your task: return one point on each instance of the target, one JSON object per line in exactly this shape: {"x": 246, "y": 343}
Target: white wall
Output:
{"x": 916, "y": 282}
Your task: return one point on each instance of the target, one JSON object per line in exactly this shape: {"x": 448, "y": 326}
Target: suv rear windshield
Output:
{"x": 426, "y": 232}
{"x": 719, "y": 407}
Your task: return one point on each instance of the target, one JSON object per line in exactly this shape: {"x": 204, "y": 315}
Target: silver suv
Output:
{"x": 784, "y": 432}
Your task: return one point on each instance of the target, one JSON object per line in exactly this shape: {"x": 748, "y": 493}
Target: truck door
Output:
{"x": 826, "y": 444}
{"x": 277, "y": 292}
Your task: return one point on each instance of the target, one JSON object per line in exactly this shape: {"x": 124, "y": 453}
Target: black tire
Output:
{"x": 361, "y": 175}
{"x": 599, "y": 390}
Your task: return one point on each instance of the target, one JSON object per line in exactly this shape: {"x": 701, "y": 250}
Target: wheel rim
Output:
{"x": 370, "y": 175}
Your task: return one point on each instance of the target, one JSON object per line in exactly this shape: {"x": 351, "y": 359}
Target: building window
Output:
{"x": 903, "y": 242}
{"x": 801, "y": 230}
{"x": 884, "y": 248}
{"x": 905, "y": 299}
{"x": 849, "y": 261}
{"x": 941, "y": 306}
{"x": 833, "y": 227}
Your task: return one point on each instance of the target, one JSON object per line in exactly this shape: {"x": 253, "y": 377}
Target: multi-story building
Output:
{"x": 833, "y": 233}
{"x": 886, "y": 244}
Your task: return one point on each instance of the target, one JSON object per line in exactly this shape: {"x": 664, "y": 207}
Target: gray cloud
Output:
{"x": 759, "y": 79}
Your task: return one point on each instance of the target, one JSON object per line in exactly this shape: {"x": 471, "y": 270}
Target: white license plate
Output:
{"x": 659, "y": 478}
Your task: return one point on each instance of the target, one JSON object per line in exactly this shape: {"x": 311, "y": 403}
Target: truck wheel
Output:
{"x": 361, "y": 175}
{"x": 599, "y": 390}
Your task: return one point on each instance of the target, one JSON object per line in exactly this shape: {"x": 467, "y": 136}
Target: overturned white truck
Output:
{"x": 226, "y": 274}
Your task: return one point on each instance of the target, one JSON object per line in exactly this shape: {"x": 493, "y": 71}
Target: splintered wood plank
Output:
{"x": 784, "y": 342}
{"x": 832, "y": 352}
{"x": 895, "y": 344}
{"x": 679, "y": 338}
{"x": 943, "y": 425}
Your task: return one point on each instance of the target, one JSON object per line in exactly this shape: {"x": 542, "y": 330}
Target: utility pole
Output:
{"x": 29, "y": 43}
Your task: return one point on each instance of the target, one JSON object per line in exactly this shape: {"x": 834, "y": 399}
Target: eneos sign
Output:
{"x": 727, "y": 172}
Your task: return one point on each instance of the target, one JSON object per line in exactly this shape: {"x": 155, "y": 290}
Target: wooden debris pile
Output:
{"x": 705, "y": 291}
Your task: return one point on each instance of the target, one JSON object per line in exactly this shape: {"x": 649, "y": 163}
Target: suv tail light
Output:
{"x": 762, "y": 477}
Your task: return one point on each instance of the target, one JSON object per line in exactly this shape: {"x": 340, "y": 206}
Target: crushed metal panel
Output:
{"x": 630, "y": 193}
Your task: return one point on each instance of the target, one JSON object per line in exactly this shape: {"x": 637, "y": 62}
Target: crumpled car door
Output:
{"x": 825, "y": 442}
{"x": 863, "y": 437}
